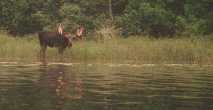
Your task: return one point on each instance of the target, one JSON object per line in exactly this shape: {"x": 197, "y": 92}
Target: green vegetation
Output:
{"x": 135, "y": 49}
{"x": 159, "y": 18}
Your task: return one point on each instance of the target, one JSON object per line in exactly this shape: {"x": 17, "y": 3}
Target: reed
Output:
{"x": 125, "y": 50}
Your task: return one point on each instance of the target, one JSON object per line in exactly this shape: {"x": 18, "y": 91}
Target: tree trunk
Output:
{"x": 110, "y": 10}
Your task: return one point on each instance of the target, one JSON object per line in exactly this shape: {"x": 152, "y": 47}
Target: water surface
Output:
{"x": 76, "y": 86}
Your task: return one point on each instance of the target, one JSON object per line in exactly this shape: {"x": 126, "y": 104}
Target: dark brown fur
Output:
{"x": 53, "y": 39}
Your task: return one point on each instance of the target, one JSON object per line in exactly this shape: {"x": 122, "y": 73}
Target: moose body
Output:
{"x": 59, "y": 39}
{"x": 53, "y": 39}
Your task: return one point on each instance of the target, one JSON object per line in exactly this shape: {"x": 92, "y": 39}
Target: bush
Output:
{"x": 146, "y": 18}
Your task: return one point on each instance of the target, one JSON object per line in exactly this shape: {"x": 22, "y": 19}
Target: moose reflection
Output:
{"x": 59, "y": 39}
{"x": 64, "y": 86}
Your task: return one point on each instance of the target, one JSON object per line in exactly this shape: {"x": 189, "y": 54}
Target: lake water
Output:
{"x": 80, "y": 86}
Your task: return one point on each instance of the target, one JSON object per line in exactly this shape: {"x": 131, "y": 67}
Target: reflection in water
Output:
{"x": 58, "y": 81}
{"x": 98, "y": 87}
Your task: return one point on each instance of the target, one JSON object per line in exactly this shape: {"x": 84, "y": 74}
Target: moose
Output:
{"x": 59, "y": 39}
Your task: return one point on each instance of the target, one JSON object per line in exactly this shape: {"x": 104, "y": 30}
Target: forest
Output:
{"x": 155, "y": 18}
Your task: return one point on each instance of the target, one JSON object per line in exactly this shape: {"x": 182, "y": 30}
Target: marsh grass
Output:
{"x": 129, "y": 50}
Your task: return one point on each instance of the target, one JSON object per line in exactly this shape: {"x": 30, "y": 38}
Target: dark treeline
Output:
{"x": 132, "y": 17}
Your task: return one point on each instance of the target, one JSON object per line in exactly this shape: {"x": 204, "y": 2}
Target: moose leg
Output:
{"x": 61, "y": 51}
{"x": 43, "y": 51}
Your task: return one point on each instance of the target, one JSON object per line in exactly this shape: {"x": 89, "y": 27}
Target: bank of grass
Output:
{"x": 122, "y": 50}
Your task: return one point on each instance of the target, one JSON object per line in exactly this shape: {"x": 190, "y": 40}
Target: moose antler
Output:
{"x": 60, "y": 29}
{"x": 79, "y": 32}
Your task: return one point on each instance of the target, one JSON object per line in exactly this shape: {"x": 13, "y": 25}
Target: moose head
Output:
{"x": 79, "y": 33}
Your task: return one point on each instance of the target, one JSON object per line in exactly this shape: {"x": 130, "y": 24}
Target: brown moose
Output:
{"x": 60, "y": 40}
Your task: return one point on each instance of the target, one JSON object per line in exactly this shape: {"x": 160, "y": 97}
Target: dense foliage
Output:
{"x": 133, "y": 17}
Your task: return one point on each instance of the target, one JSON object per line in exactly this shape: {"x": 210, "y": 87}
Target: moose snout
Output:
{"x": 69, "y": 44}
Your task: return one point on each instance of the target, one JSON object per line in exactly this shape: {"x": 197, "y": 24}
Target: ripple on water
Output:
{"x": 106, "y": 86}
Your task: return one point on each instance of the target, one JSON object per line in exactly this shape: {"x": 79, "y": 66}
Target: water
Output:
{"x": 105, "y": 87}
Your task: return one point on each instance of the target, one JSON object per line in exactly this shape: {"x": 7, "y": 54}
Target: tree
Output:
{"x": 110, "y": 10}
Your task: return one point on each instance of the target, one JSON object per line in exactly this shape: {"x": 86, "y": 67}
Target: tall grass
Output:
{"x": 128, "y": 50}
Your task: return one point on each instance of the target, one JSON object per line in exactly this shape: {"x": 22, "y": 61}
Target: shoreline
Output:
{"x": 90, "y": 64}
{"x": 133, "y": 50}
